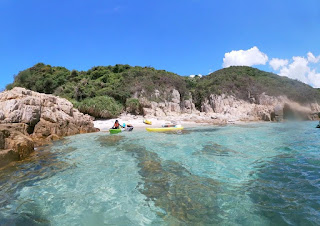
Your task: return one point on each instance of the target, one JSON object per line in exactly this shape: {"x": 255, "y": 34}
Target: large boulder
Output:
{"x": 14, "y": 145}
{"x": 20, "y": 105}
{"x": 35, "y": 117}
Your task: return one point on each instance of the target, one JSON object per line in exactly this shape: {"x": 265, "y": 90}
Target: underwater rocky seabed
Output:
{"x": 251, "y": 174}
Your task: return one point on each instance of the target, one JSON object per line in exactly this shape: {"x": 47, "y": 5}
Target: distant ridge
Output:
{"x": 243, "y": 82}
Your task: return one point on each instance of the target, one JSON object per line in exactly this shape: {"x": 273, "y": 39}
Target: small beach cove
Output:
{"x": 253, "y": 173}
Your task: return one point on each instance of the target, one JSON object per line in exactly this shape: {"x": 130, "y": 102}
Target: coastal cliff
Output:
{"x": 28, "y": 118}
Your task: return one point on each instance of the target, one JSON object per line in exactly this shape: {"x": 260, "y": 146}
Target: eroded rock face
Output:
{"x": 175, "y": 96}
{"x": 43, "y": 117}
{"x": 262, "y": 107}
{"x": 189, "y": 107}
{"x": 169, "y": 105}
{"x": 230, "y": 108}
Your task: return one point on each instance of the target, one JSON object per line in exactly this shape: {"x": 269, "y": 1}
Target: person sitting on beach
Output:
{"x": 116, "y": 125}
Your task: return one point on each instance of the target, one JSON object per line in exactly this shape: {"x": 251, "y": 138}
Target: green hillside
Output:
{"x": 104, "y": 91}
{"x": 90, "y": 90}
{"x": 240, "y": 80}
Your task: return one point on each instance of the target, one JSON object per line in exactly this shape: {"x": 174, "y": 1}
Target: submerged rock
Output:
{"x": 185, "y": 198}
{"x": 215, "y": 149}
{"x": 109, "y": 140}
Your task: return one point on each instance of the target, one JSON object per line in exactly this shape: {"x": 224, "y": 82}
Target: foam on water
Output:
{"x": 247, "y": 175}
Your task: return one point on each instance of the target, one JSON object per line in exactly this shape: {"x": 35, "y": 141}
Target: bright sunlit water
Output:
{"x": 251, "y": 174}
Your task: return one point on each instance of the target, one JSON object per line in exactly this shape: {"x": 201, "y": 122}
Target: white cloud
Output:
{"x": 276, "y": 63}
{"x": 298, "y": 69}
{"x": 248, "y": 57}
{"x": 314, "y": 78}
{"x": 312, "y": 58}
{"x": 192, "y": 76}
{"x": 301, "y": 70}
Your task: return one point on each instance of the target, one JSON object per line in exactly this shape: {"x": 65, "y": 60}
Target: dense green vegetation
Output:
{"x": 100, "y": 107}
{"x": 104, "y": 91}
{"x": 114, "y": 84}
{"x": 133, "y": 106}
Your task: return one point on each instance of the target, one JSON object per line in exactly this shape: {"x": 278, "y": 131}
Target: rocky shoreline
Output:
{"x": 167, "y": 106}
{"x": 29, "y": 119}
{"x": 226, "y": 108}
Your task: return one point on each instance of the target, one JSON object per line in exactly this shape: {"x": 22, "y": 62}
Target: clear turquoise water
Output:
{"x": 252, "y": 174}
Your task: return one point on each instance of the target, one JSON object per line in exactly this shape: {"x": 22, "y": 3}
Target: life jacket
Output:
{"x": 116, "y": 124}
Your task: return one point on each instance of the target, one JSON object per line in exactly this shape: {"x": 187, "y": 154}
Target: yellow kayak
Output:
{"x": 147, "y": 122}
{"x": 164, "y": 129}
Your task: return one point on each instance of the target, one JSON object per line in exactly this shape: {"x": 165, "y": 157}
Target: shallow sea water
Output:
{"x": 251, "y": 174}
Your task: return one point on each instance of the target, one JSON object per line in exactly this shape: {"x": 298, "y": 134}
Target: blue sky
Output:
{"x": 182, "y": 36}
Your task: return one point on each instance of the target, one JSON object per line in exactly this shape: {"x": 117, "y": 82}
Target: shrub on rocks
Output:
{"x": 100, "y": 107}
{"x": 133, "y": 106}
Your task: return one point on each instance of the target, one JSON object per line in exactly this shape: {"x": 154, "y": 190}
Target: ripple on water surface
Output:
{"x": 253, "y": 174}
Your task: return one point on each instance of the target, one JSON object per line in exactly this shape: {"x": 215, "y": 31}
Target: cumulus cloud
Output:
{"x": 312, "y": 58}
{"x": 314, "y": 78}
{"x": 248, "y": 57}
{"x": 276, "y": 63}
{"x": 300, "y": 69}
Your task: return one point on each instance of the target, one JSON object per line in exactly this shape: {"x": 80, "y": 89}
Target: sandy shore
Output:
{"x": 137, "y": 122}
